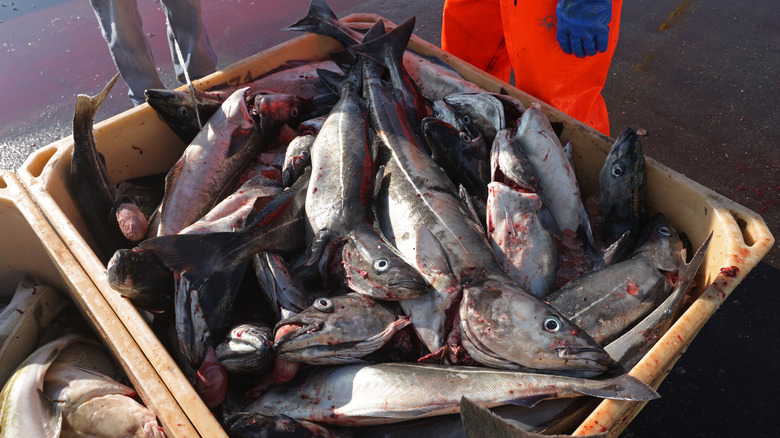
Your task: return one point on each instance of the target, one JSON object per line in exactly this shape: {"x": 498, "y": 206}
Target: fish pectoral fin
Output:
{"x": 238, "y": 138}
{"x": 317, "y": 248}
{"x": 531, "y": 400}
{"x": 430, "y": 254}
{"x": 547, "y": 220}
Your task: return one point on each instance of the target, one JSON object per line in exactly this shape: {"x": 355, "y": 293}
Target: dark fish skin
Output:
{"x": 320, "y": 19}
{"x": 623, "y": 187}
{"x": 89, "y": 183}
{"x": 138, "y": 275}
{"x": 340, "y": 329}
{"x": 388, "y": 50}
{"x": 607, "y": 302}
{"x": 254, "y": 425}
{"x": 480, "y": 112}
{"x": 282, "y": 288}
{"x": 211, "y": 265}
{"x": 460, "y": 158}
{"x": 247, "y": 349}
{"x": 178, "y": 109}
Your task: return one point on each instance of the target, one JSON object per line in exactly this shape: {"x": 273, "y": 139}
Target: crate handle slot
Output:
{"x": 38, "y": 160}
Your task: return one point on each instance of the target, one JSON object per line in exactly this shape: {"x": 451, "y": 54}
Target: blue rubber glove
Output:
{"x": 583, "y": 26}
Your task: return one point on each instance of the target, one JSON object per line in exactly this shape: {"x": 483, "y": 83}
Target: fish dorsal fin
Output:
{"x": 430, "y": 255}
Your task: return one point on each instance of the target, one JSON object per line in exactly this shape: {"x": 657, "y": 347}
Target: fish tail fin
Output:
{"x": 87, "y": 106}
{"x": 200, "y": 255}
{"x": 321, "y": 20}
{"x": 388, "y": 48}
{"x": 623, "y": 387}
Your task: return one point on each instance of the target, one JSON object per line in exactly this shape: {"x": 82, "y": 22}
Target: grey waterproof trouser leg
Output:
{"x": 122, "y": 29}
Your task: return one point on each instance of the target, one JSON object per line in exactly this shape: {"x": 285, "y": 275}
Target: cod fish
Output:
{"x": 466, "y": 163}
{"x": 89, "y": 180}
{"x": 606, "y": 302}
{"x": 93, "y": 404}
{"x": 338, "y": 330}
{"x": 211, "y": 265}
{"x": 209, "y": 168}
{"x": 631, "y": 346}
{"x": 24, "y": 409}
{"x": 31, "y": 309}
{"x": 623, "y": 187}
{"x": 480, "y": 112}
{"x": 393, "y": 392}
{"x": 432, "y": 228}
{"x": 340, "y": 209}
{"x": 557, "y": 183}
{"x": 248, "y": 348}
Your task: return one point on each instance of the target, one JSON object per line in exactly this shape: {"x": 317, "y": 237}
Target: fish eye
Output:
{"x": 184, "y": 111}
{"x": 552, "y": 324}
{"x": 464, "y": 136}
{"x": 294, "y": 112}
{"x": 617, "y": 170}
{"x": 323, "y": 305}
{"x": 664, "y": 231}
{"x": 381, "y": 265}
{"x": 466, "y": 120}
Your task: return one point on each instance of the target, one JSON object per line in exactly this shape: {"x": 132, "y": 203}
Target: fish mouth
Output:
{"x": 410, "y": 285}
{"x": 305, "y": 328}
{"x": 596, "y": 357}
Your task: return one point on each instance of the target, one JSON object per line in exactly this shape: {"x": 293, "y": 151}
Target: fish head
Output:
{"x": 660, "y": 245}
{"x": 510, "y": 165}
{"x": 372, "y": 267}
{"x": 479, "y": 112}
{"x": 139, "y": 275}
{"x": 274, "y": 110}
{"x": 332, "y": 329}
{"x": 504, "y": 326}
{"x": 623, "y": 185}
{"x": 248, "y": 348}
{"x": 178, "y": 109}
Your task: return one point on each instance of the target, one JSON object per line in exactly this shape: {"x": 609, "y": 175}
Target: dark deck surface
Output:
{"x": 700, "y": 77}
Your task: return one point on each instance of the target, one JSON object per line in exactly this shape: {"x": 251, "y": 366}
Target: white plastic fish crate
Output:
{"x": 28, "y": 243}
{"x": 137, "y": 143}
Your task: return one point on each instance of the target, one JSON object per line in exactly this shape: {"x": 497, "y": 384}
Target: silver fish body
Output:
{"x": 31, "y": 309}
{"x": 607, "y": 302}
{"x": 557, "y": 182}
{"x": 24, "y": 410}
{"x": 394, "y": 392}
{"x": 432, "y": 228}
{"x": 339, "y": 205}
{"x": 209, "y": 166}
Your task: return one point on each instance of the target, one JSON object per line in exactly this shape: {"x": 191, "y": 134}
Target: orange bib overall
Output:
{"x": 496, "y": 35}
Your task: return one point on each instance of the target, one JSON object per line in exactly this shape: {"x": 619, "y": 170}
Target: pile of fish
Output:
{"x": 67, "y": 386}
{"x": 412, "y": 237}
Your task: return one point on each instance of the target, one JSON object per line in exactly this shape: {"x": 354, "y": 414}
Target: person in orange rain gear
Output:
{"x": 560, "y": 50}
